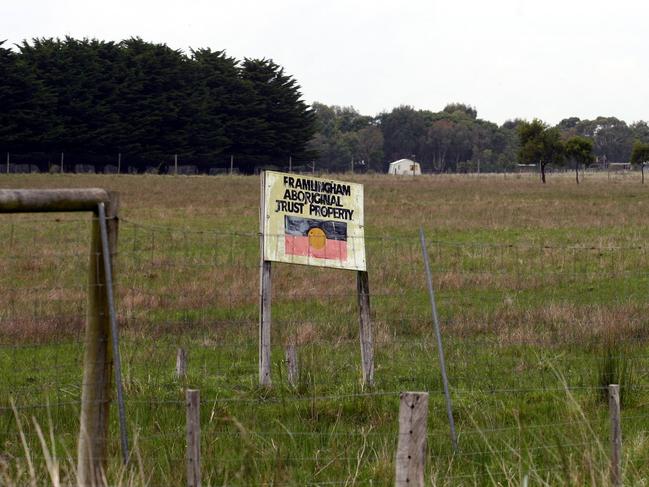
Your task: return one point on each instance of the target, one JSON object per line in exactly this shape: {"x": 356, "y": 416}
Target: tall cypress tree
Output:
{"x": 215, "y": 84}
{"x": 283, "y": 123}
{"x": 152, "y": 100}
{"x": 27, "y": 119}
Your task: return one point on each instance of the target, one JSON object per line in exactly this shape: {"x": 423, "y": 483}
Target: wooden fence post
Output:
{"x": 365, "y": 327}
{"x": 98, "y": 358}
{"x": 411, "y": 448}
{"x": 291, "y": 364}
{"x": 98, "y": 353}
{"x": 641, "y": 167}
{"x": 193, "y": 437}
{"x": 181, "y": 363}
{"x": 616, "y": 434}
{"x": 265, "y": 284}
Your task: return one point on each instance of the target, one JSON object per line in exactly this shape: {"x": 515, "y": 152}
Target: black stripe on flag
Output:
{"x": 299, "y": 227}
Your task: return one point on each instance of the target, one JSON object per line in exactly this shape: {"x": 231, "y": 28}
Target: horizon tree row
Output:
{"x": 93, "y": 100}
{"x": 96, "y": 99}
{"x": 454, "y": 139}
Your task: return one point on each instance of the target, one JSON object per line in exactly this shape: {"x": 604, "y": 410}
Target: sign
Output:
{"x": 312, "y": 221}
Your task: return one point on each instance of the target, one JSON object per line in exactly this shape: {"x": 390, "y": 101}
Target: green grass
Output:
{"x": 538, "y": 288}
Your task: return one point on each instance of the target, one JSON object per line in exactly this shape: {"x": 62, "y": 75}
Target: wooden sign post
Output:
{"x": 316, "y": 222}
{"x": 365, "y": 327}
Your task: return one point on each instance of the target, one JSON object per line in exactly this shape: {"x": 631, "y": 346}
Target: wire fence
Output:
{"x": 160, "y": 163}
{"x": 533, "y": 333}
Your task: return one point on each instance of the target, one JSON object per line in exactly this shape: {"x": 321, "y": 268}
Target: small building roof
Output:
{"x": 400, "y": 161}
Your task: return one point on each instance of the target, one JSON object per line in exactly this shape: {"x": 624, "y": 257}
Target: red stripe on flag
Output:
{"x": 298, "y": 245}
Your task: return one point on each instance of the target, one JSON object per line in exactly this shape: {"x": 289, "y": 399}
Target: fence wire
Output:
{"x": 533, "y": 333}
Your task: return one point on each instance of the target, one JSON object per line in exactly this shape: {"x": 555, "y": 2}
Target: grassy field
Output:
{"x": 542, "y": 293}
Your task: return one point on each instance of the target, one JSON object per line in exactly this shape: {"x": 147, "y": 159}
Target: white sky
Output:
{"x": 549, "y": 59}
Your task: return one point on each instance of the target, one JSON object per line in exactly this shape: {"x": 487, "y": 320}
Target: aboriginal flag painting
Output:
{"x": 324, "y": 239}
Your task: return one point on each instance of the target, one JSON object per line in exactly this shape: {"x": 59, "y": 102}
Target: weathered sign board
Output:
{"x": 313, "y": 221}
{"x": 318, "y": 222}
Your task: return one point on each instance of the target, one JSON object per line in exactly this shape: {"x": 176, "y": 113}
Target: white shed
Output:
{"x": 406, "y": 167}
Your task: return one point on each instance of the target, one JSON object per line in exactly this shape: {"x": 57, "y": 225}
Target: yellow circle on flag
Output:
{"x": 317, "y": 238}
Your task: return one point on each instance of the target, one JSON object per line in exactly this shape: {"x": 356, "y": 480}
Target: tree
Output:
{"x": 512, "y": 124}
{"x": 540, "y": 144}
{"x": 612, "y": 138}
{"x": 342, "y": 135}
{"x": 580, "y": 150}
{"x": 640, "y": 131}
{"x": 568, "y": 123}
{"x": 640, "y": 152}
{"x": 283, "y": 123}
{"x": 404, "y": 129}
{"x": 462, "y": 108}
{"x": 215, "y": 102}
{"x": 369, "y": 145}
{"x": 27, "y": 105}
{"x": 445, "y": 140}
{"x": 80, "y": 75}
{"x": 154, "y": 100}
{"x": 437, "y": 143}
{"x": 640, "y": 155}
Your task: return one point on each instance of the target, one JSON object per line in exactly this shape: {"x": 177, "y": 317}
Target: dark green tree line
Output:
{"x": 148, "y": 101}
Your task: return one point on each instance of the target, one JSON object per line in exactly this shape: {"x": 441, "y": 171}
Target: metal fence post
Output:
{"x": 616, "y": 434}
{"x": 438, "y": 334}
{"x": 107, "y": 255}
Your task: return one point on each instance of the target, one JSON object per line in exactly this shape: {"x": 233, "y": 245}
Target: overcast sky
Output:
{"x": 509, "y": 58}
